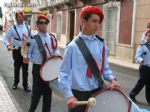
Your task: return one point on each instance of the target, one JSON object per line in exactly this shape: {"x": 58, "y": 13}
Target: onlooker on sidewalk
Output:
{"x": 143, "y": 57}
{"x": 18, "y": 34}
{"x": 42, "y": 47}
{"x": 143, "y": 38}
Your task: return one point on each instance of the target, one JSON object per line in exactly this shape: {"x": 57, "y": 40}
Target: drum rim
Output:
{"x": 45, "y": 63}
{"x": 115, "y": 89}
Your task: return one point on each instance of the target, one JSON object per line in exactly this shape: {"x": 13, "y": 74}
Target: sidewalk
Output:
{"x": 7, "y": 103}
{"x": 129, "y": 65}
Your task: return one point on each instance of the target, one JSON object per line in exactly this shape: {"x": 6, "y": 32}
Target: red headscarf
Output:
{"x": 148, "y": 31}
{"x": 20, "y": 13}
{"x": 42, "y": 16}
{"x": 148, "y": 23}
{"x": 94, "y": 10}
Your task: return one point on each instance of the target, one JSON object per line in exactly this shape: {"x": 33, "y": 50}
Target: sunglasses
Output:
{"x": 43, "y": 22}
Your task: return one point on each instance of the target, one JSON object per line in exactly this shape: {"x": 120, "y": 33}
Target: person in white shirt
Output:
{"x": 18, "y": 33}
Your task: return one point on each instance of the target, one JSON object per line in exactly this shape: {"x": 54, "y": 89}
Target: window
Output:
{"x": 59, "y": 24}
{"x": 111, "y": 26}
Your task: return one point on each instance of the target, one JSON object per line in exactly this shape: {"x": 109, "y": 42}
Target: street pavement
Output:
{"x": 18, "y": 99}
{"x": 7, "y": 103}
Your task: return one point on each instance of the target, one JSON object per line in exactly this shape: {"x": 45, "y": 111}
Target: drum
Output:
{"x": 24, "y": 48}
{"x": 112, "y": 101}
{"x": 49, "y": 72}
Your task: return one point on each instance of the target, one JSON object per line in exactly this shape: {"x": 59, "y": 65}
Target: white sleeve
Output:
{"x": 143, "y": 37}
{"x": 8, "y": 36}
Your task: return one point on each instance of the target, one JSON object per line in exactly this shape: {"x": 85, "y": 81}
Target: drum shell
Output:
{"x": 109, "y": 100}
{"x": 56, "y": 89}
{"x": 49, "y": 72}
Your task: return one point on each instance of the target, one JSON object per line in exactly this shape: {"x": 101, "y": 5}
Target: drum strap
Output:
{"x": 40, "y": 47}
{"x": 54, "y": 41}
{"x": 89, "y": 59}
{"x": 29, "y": 32}
{"x": 147, "y": 45}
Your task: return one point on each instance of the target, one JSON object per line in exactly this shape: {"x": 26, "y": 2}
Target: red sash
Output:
{"x": 89, "y": 71}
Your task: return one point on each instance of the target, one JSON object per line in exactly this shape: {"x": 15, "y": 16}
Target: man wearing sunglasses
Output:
{"x": 38, "y": 57}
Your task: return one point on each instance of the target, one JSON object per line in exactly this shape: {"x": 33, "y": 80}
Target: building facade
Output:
{"x": 123, "y": 25}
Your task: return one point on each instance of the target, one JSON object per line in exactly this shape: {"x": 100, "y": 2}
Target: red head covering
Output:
{"x": 148, "y": 31}
{"x": 21, "y": 13}
{"x": 42, "y": 16}
{"x": 94, "y": 10}
{"x": 148, "y": 23}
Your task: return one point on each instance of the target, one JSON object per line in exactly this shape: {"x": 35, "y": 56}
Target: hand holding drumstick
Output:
{"x": 72, "y": 102}
{"x": 24, "y": 52}
{"x": 10, "y": 47}
{"x": 91, "y": 101}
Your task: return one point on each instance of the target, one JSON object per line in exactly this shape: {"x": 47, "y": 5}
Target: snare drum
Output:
{"x": 49, "y": 72}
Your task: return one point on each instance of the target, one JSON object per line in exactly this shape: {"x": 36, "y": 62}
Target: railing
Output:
{"x": 55, "y": 2}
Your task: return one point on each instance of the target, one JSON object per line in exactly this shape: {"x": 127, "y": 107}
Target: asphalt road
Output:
{"x": 126, "y": 77}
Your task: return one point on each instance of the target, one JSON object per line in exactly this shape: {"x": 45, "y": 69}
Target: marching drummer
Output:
{"x": 142, "y": 57}
{"x": 42, "y": 46}
{"x": 15, "y": 36}
{"x": 77, "y": 77}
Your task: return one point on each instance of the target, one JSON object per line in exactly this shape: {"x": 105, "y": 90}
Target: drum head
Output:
{"x": 110, "y": 101}
{"x": 24, "y": 48}
{"x": 50, "y": 69}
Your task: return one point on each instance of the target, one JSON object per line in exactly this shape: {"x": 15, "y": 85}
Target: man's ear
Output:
{"x": 83, "y": 21}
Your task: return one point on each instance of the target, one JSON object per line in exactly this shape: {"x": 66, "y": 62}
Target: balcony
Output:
{"x": 58, "y": 4}
{"x": 111, "y": 0}
{"x": 64, "y": 2}
{"x": 86, "y": 1}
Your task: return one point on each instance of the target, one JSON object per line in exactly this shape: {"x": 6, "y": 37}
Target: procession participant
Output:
{"x": 18, "y": 33}
{"x": 143, "y": 57}
{"x": 76, "y": 78}
{"x": 143, "y": 38}
{"x": 48, "y": 44}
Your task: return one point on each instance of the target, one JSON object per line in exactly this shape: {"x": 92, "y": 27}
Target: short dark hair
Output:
{"x": 17, "y": 13}
{"x": 87, "y": 16}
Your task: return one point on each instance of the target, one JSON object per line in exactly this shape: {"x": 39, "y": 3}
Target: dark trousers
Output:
{"x": 82, "y": 96}
{"x": 144, "y": 80}
{"x": 18, "y": 63}
{"x": 40, "y": 88}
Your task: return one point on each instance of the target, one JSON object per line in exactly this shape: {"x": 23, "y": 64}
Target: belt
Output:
{"x": 148, "y": 65}
{"x": 17, "y": 46}
{"x": 37, "y": 64}
{"x": 88, "y": 92}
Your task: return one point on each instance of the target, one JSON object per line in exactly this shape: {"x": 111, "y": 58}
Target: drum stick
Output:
{"x": 91, "y": 101}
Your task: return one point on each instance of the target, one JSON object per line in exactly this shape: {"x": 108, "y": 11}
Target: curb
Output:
{"x": 120, "y": 63}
